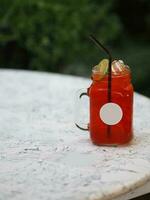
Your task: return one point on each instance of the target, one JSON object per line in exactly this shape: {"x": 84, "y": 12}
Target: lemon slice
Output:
{"x": 103, "y": 66}
{"x": 101, "y": 69}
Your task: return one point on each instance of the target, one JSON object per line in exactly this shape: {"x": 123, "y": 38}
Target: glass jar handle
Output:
{"x": 80, "y": 93}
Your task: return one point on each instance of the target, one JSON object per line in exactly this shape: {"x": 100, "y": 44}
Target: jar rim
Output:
{"x": 105, "y": 77}
{"x": 126, "y": 72}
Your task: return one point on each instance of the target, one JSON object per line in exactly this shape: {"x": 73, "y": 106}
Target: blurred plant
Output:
{"x": 49, "y": 34}
{"x": 135, "y": 17}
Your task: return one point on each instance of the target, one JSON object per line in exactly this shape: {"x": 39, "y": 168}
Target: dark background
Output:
{"x": 52, "y": 35}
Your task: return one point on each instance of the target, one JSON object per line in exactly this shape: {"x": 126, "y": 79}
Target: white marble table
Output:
{"x": 43, "y": 156}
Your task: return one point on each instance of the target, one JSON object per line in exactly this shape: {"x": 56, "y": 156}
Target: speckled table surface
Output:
{"x": 43, "y": 156}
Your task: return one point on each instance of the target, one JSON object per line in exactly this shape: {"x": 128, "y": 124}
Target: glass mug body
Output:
{"x": 121, "y": 95}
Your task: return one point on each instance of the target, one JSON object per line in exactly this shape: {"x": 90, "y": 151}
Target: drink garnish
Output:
{"x": 103, "y": 66}
{"x": 101, "y": 69}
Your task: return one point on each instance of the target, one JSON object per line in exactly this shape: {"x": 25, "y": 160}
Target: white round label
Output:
{"x": 111, "y": 113}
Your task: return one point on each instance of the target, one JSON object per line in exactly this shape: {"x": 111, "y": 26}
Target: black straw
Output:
{"x": 99, "y": 45}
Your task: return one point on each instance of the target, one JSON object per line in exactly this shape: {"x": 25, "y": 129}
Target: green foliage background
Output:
{"x": 52, "y": 35}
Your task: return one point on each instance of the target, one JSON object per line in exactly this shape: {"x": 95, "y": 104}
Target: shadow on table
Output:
{"x": 144, "y": 197}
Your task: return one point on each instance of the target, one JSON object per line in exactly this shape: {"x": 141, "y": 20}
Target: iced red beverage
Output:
{"x": 111, "y": 102}
{"x": 119, "y": 131}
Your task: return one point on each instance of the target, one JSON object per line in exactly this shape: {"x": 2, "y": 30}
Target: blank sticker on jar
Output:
{"x": 111, "y": 113}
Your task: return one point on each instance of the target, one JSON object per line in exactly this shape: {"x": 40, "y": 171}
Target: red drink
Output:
{"x": 111, "y": 102}
{"x": 122, "y": 96}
